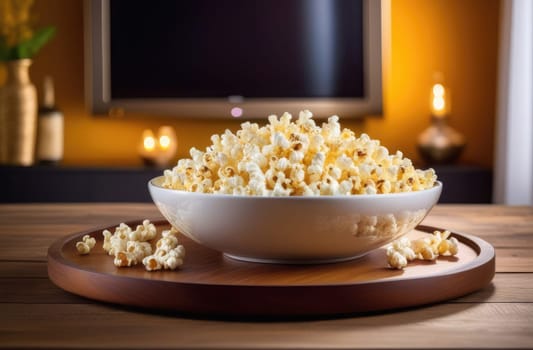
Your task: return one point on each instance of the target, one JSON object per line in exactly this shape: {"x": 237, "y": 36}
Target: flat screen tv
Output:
{"x": 234, "y": 58}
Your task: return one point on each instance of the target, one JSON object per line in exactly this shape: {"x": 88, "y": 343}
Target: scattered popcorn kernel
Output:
{"x": 107, "y": 240}
{"x": 83, "y": 248}
{"x": 129, "y": 247}
{"x": 403, "y": 246}
{"x": 90, "y": 241}
{"x": 144, "y": 232}
{"x": 138, "y": 250}
{"x": 123, "y": 259}
{"x": 151, "y": 263}
{"x": 85, "y": 245}
{"x": 438, "y": 244}
{"x": 296, "y": 158}
{"x": 168, "y": 255}
{"x": 449, "y": 246}
{"x": 423, "y": 249}
{"x": 397, "y": 260}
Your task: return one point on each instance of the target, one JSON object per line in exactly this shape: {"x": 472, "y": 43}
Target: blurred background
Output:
{"x": 459, "y": 39}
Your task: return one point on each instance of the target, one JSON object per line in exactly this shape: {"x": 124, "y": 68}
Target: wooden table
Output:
{"x": 34, "y": 313}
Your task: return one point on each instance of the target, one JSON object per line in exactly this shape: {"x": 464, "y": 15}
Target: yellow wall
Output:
{"x": 456, "y": 37}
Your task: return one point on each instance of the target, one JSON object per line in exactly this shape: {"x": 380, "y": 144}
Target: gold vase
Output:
{"x": 18, "y": 115}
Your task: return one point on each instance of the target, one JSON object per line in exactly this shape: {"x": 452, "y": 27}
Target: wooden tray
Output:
{"x": 210, "y": 283}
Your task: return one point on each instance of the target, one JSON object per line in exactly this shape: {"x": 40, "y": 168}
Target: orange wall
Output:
{"x": 456, "y": 37}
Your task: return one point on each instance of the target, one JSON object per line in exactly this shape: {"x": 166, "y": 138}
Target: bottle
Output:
{"x": 49, "y": 149}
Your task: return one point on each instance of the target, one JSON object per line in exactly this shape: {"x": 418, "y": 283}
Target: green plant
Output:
{"x": 18, "y": 39}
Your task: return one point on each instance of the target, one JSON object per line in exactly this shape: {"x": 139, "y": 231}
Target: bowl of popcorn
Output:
{"x": 293, "y": 191}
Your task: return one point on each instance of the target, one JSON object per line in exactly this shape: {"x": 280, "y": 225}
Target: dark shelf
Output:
{"x": 462, "y": 184}
{"x": 465, "y": 183}
{"x": 74, "y": 184}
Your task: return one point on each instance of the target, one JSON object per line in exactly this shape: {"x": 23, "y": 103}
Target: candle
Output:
{"x": 148, "y": 141}
{"x": 167, "y": 140}
{"x": 148, "y": 147}
{"x": 164, "y": 142}
{"x": 158, "y": 150}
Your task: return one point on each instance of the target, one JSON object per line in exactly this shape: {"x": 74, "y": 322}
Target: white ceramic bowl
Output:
{"x": 293, "y": 229}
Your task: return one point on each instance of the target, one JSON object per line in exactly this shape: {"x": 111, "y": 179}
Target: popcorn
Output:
{"x": 134, "y": 253}
{"x": 131, "y": 247}
{"x": 144, "y": 232}
{"x": 300, "y": 158}
{"x": 85, "y": 245}
{"x": 168, "y": 255}
{"x": 428, "y": 248}
{"x": 396, "y": 259}
{"x": 117, "y": 241}
{"x": 400, "y": 252}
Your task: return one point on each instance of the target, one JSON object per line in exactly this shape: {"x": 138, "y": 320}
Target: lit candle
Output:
{"x": 148, "y": 147}
{"x": 148, "y": 141}
{"x": 439, "y": 101}
{"x": 164, "y": 142}
{"x": 158, "y": 150}
{"x": 168, "y": 142}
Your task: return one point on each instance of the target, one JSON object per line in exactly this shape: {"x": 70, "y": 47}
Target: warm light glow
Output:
{"x": 438, "y": 90}
{"x": 438, "y": 103}
{"x": 158, "y": 149}
{"x": 149, "y": 142}
{"x": 164, "y": 141}
{"x": 439, "y": 107}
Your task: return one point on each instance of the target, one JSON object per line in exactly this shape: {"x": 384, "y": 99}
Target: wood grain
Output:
{"x": 212, "y": 284}
{"x": 488, "y": 325}
{"x": 36, "y": 314}
{"x": 505, "y": 288}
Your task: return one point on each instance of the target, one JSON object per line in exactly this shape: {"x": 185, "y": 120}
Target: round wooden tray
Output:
{"x": 209, "y": 283}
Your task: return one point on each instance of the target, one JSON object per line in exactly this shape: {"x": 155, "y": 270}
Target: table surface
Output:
{"x": 34, "y": 313}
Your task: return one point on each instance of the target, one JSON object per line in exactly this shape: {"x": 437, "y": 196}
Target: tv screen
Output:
{"x": 204, "y": 58}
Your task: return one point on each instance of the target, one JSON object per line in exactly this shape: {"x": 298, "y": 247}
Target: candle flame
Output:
{"x": 438, "y": 90}
{"x": 158, "y": 149}
{"x": 439, "y": 100}
{"x": 149, "y": 143}
{"x": 164, "y": 141}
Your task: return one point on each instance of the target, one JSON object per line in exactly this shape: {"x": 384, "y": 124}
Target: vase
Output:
{"x": 18, "y": 115}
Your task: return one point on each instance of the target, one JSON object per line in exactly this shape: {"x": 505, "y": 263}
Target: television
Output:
{"x": 233, "y": 58}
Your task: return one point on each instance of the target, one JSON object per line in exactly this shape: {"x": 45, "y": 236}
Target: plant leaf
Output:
{"x": 30, "y": 47}
{"x": 4, "y": 50}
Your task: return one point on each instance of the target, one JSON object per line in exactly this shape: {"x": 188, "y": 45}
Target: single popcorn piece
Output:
{"x": 85, "y": 245}
{"x": 396, "y": 259}
{"x": 168, "y": 255}
{"x": 296, "y": 158}
{"x": 151, "y": 263}
{"x": 428, "y": 248}
{"x": 117, "y": 241}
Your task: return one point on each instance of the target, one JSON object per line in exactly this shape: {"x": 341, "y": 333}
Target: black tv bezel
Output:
{"x": 98, "y": 83}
